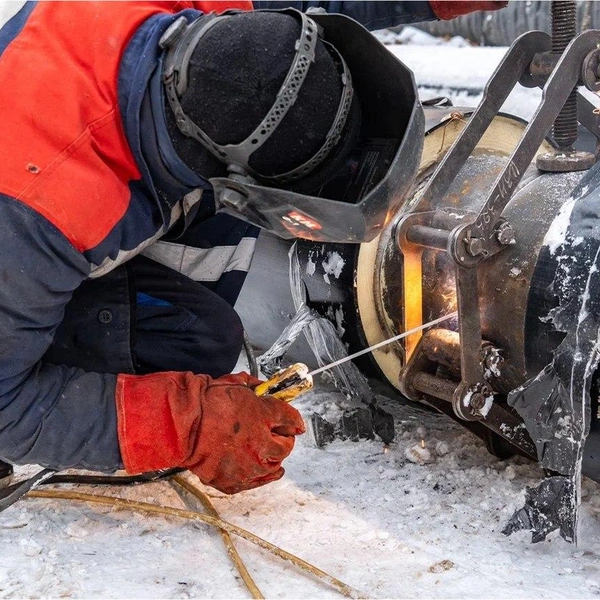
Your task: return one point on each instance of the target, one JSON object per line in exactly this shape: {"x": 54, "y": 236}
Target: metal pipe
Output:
{"x": 429, "y": 237}
{"x": 443, "y": 346}
{"x": 434, "y": 386}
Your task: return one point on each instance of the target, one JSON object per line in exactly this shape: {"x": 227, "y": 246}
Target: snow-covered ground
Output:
{"x": 371, "y": 516}
{"x": 390, "y": 527}
{"x": 458, "y": 71}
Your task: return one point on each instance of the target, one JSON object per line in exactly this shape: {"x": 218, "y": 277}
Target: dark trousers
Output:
{"x": 143, "y": 317}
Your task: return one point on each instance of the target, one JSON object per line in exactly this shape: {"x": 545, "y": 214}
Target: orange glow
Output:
{"x": 413, "y": 296}
{"x": 448, "y": 292}
{"x": 298, "y": 219}
{"x": 445, "y": 290}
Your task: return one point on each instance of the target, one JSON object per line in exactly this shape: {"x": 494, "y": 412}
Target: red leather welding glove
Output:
{"x": 219, "y": 428}
{"x": 449, "y": 9}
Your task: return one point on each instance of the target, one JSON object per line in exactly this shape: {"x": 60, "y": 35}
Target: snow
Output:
{"x": 422, "y": 518}
{"x": 443, "y": 71}
{"x": 333, "y": 265}
{"x": 417, "y": 37}
{"x": 388, "y": 525}
{"x": 555, "y": 235}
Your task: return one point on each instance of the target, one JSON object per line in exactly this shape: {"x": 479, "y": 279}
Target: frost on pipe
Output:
{"x": 270, "y": 361}
{"x": 326, "y": 344}
{"x": 362, "y": 418}
{"x": 556, "y": 404}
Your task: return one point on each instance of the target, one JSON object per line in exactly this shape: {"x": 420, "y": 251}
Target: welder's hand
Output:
{"x": 449, "y": 9}
{"x": 218, "y": 428}
{"x": 242, "y": 437}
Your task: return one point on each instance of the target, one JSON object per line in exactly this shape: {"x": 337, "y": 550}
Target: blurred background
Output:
{"x": 500, "y": 28}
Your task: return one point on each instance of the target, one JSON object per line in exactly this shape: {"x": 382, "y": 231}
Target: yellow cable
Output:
{"x": 229, "y": 545}
{"x": 343, "y": 588}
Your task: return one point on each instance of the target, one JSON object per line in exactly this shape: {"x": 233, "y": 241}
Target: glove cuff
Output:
{"x": 158, "y": 418}
{"x": 449, "y": 9}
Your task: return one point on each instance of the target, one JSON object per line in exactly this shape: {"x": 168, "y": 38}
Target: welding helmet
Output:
{"x": 358, "y": 169}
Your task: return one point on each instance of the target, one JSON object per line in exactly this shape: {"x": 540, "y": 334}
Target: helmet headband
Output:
{"x": 181, "y": 40}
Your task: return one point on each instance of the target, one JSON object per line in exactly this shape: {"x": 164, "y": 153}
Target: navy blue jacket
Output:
{"x": 89, "y": 178}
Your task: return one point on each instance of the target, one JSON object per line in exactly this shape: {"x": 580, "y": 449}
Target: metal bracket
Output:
{"x": 420, "y": 380}
{"x": 507, "y": 74}
{"x": 480, "y": 236}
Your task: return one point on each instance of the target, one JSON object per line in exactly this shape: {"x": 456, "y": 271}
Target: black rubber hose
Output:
{"x": 250, "y": 356}
{"x": 112, "y": 479}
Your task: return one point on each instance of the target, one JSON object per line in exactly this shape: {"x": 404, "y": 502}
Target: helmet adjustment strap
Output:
{"x": 180, "y": 41}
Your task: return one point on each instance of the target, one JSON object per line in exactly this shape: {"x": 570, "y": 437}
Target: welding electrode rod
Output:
{"x": 384, "y": 343}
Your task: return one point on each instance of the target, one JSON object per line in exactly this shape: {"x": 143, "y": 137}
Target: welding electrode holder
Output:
{"x": 287, "y": 384}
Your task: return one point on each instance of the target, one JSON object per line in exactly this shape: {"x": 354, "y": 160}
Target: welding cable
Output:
{"x": 340, "y": 586}
{"x": 229, "y": 545}
{"x": 156, "y": 476}
{"x": 250, "y": 355}
{"x": 15, "y": 491}
{"x": 112, "y": 479}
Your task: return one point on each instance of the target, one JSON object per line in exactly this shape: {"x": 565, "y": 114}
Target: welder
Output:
{"x": 119, "y": 265}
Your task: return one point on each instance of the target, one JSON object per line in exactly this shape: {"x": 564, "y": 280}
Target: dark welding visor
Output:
{"x": 373, "y": 178}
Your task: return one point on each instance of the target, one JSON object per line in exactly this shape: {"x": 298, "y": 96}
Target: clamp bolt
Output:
{"x": 505, "y": 234}
{"x": 474, "y": 246}
{"x": 233, "y": 199}
{"x": 477, "y": 401}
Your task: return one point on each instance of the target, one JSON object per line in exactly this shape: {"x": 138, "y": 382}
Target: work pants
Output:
{"x": 143, "y": 317}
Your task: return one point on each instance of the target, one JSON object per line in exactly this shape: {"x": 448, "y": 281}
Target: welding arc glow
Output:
{"x": 384, "y": 343}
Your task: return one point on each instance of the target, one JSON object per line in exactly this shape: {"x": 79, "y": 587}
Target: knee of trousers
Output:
{"x": 203, "y": 339}
{"x": 223, "y": 342}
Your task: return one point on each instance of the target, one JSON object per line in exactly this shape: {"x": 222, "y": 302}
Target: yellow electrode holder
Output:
{"x": 287, "y": 384}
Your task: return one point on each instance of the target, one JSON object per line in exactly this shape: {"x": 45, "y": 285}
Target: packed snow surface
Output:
{"x": 421, "y": 518}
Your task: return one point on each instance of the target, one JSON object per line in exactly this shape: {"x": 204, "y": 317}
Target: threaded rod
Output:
{"x": 564, "y": 28}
